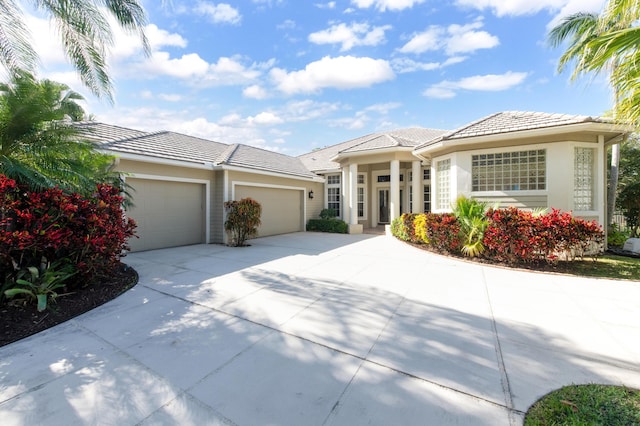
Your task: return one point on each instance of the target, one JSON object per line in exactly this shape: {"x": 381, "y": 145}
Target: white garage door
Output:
{"x": 282, "y": 209}
{"x": 168, "y": 214}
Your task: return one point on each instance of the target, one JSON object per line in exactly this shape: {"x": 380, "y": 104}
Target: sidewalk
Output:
{"x": 313, "y": 329}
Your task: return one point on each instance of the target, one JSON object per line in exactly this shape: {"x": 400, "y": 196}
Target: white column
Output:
{"x": 344, "y": 189}
{"x": 416, "y": 187}
{"x": 353, "y": 194}
{"x": 394, "y": 192}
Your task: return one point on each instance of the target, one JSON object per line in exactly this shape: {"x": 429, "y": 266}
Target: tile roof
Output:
{"x": 256, "y": 158}
{"x": 321, "y": 159}
{"x": 177, "y": 146}
{"x": 513, "y": 121}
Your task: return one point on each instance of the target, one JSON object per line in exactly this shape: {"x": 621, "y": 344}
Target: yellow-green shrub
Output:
{"x": 420, "y": 227}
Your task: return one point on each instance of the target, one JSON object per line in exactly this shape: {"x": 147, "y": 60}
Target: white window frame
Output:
{"x": 513, "y": 192}
{"x": 362, "y": 186}
{"x": 437, "y": 196}
{"x": 333, "y": 186}
{"x": 594, "y": 179}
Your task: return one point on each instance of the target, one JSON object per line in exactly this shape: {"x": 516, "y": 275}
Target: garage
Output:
{"x": 282, "y": 208}
{"x": 168, "y": 213}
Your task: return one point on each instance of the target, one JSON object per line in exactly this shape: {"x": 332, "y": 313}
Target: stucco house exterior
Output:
{"x": 523, "y": 159}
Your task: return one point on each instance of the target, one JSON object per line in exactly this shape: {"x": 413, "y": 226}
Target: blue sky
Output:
{"x": 293, "y": 75}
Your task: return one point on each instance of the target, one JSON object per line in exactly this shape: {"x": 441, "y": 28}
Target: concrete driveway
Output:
{"x": 313, "y": 329}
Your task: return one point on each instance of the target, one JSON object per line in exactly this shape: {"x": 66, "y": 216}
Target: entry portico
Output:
{"x": 374, "y": 179}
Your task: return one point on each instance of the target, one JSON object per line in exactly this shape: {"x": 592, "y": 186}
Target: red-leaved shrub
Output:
{"x": 443, "y": 232}
{"x": 90, "y": 234}
{"x": 518, "y": 236}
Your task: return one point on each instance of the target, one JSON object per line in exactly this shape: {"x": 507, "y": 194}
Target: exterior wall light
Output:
{"x": 311, "y": 194}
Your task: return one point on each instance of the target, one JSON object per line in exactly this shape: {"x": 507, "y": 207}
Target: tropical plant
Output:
{"x": 606, "y": 43}
{"x": 85, "y": 32}
{"x": 39, "y": 283}
{"x": 471, "y": 215}
{"x": 39, "y": 146}
{"x": 243, "y": 219}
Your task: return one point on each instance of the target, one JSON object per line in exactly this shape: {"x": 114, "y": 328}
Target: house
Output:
{"x": 523, "y": 159}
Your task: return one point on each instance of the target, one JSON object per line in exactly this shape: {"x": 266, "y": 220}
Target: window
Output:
{"x": 333, "y": 193}
{"x": 443, "y": 169}
{"x": 426, "y": 194}
{"x": 426, "y": 174}
{"x": 361, "y": 196}
{"x": 509, "y": 171}
{"x": 583, "y": 188}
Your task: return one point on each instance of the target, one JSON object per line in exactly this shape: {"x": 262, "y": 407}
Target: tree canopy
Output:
{"x": 84, "y": 30}
{"x": 39, "y": 145}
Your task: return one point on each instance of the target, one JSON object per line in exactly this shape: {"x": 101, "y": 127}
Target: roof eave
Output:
{"x": 270, "y": 173}
{"x": 147, "y": 158}
{"x": 592, "y": 127}
{"x": 343, "y": 155}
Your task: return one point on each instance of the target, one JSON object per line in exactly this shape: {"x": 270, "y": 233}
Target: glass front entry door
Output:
{"x": 383, "y": 206}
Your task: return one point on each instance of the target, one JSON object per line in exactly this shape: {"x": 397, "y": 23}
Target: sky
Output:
{"x": 295, "y": 75}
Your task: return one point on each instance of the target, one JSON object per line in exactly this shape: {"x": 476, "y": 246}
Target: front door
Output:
{"x": 383, "y": 206}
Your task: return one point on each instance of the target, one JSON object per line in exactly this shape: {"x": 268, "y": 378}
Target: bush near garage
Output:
{"x": 243, "y": 219}
{"x": 331, "y": 225}
{"x": 512, "y": 236}
{"x": 328, "y": 222}
{"x": 81, "y": 238}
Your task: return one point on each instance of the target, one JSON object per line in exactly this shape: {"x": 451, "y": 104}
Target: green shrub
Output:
{"x": 243, "y": 219}
{"x": 402, "y": 228}
{"x": 616, "y": 237}
{"x": 328, "y": 214}
{"x": 335, "y": 226}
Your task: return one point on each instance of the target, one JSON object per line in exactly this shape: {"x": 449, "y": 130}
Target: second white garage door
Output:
{"x": 282, "y": 209}
{"x": 168, "y": 213}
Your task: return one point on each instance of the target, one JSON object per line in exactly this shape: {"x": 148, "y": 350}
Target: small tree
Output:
{"x": 243, "y": 219}
{"x": 629, "y": 202}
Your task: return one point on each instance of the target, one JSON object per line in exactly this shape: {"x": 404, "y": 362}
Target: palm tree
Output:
{"x": 39, "y": 145}
{"x": 606, "y": 42}
{"x": 84, "y": 30}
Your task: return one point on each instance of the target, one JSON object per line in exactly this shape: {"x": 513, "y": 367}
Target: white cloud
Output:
{"x": 575, "y": 6}
{"x": 170, "y": 97}
{"x": 454, "y": 39}
{"x": 405, "y": 65}
{"x": 254, "y": 91}
{"x": 465, "y": 38}
{"x": 219, "y": 13}
{"x": 429, "y": 40}
{"x": 356, "y": 34}
{"x": 265, "y": 118}
{"x": 561, "y": 8}
{"x": 513, "y": 7}
{"x": 383, "y": 5}
{"x": 159, "y": 37}
{"x": 328, "y": 5}
{"x": 487, "y": 83}
{"x": 186, "y": 67}
{"x": 343, "y": 72}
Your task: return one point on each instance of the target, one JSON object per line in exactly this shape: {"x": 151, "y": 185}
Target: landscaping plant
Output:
{"x": 66, "y": 229}
{"x": 471, "y": 215}
{"x": 328, "y": 222}
{"x": 243, "y": 219}
{"x": 41, "y": 283}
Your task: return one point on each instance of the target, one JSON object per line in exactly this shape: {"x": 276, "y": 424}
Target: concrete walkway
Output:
{"x": 314, "y": 329}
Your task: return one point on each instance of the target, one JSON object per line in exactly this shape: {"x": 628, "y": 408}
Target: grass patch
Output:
{"x": 591, "y": 404}
{"x": 606, "y": 266}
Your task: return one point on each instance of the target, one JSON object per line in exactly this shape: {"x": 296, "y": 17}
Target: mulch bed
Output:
{"x": 20, "y": 321}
